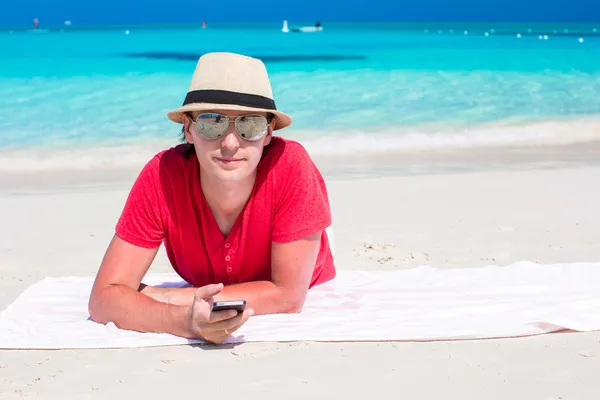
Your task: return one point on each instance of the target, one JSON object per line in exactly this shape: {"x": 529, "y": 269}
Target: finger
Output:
{"x": 231, "y": 323}
{"x": 208, "y": 291}
{"x": 216, "y": 337}
{"x": 248, "y": 313}
{"x": 218, "y": 316}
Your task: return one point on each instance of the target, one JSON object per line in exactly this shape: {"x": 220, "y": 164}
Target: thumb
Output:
{"x": 208, "y": 291}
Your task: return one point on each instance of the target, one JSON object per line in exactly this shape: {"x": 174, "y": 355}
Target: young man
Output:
{"x": 242, "y": 215}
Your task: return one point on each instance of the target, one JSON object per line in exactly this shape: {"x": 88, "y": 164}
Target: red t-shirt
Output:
{"x": 289, "y": 202}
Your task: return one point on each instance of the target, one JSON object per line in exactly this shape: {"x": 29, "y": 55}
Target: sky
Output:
{"x": 22, "y": 12}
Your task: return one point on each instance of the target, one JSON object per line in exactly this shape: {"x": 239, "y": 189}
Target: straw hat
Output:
{"x": 228, "y": 81}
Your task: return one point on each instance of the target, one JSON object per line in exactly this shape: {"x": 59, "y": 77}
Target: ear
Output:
{"x": 269, "y": 134}
{"x": 187, "y": 128}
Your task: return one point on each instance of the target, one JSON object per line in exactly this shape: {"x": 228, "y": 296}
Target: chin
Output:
{"x": 231, "y": 175}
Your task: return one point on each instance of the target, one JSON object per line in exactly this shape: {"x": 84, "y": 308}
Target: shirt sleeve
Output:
{"x": 302, "y": 204}
{"x": 140, "y": 222}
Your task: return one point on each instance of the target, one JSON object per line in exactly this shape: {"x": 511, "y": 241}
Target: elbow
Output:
{"x": 294, "y": 309}
{"x": 293, "y": 305}
{"x": 96, "y": 309}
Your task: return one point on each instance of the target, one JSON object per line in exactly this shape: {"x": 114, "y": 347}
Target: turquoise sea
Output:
{"x": 353, "y": 87}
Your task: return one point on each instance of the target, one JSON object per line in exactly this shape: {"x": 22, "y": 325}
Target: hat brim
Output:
{"x": 282, "y": 120}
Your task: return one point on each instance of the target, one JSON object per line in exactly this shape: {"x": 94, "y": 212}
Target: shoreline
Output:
{"x": 559, "y": 139}
{"x": 336, "y": 167}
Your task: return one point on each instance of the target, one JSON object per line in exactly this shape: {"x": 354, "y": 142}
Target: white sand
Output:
{"x": 456, "y": 220}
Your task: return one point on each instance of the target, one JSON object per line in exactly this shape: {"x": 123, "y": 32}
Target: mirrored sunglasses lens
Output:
{"x": 212, "y": 126}
{"x": 251, "y": 127}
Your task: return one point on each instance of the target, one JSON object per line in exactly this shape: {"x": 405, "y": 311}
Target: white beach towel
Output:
{"x": 419, "y": 304}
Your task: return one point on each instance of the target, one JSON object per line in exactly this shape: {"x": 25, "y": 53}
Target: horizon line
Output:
{"x": 72, "y": 25}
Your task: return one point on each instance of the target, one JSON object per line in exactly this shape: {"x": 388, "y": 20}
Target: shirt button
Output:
{"x": 227, "y": 258}
{"x": 227, "y": 245}
{"x": 229, "y": 269}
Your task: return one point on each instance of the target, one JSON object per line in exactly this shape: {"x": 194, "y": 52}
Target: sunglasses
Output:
{"x": 248, "y": 127}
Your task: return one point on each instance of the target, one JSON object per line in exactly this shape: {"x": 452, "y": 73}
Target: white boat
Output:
{"x": 304, "y": 29}
{"x": 307, "y": 29}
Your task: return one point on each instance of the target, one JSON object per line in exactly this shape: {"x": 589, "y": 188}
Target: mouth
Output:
{"x": 229, "y": 160}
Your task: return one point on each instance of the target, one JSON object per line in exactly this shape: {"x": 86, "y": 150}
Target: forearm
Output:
{"x": 264, "y": 297}
{"x": 173, "y": 296}
{"x": 132, "y": 310}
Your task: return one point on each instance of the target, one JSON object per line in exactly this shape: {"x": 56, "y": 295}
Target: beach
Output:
{"x": 461, "y": 219}
{"x": 449, "y": 146}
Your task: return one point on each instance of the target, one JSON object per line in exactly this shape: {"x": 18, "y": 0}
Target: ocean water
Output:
{"x": 81, "y": 96}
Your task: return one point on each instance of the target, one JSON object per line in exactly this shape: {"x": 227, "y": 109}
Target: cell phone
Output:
{"x": 238, "y": 305}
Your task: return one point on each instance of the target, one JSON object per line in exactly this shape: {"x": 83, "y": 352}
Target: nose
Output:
{"x": 230, "y": 141}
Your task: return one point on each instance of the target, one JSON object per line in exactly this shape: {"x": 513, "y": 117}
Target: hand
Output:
{"x": 213, "y": 326}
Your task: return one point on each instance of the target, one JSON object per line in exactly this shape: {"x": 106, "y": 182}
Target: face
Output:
{"x": 230, "y": 157}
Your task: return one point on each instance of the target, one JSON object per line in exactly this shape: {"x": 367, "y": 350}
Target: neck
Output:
{"x": 226, "y": 198}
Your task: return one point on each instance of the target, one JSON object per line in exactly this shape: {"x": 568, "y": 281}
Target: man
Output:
{"x": 242, "y": 214}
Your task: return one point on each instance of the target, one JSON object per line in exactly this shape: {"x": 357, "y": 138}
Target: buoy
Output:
{"x": 127, "y": 32}
{"x": 518, "y": 35}
{"x": 580, "y": 40}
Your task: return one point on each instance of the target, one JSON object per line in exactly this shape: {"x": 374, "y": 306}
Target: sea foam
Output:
{"x": 127, "y": 154}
